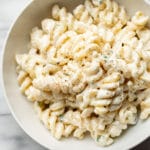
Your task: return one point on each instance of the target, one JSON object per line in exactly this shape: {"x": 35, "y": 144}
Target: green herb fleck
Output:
{"x": 61, "y": 117}
{"x": 98, "y": 137}
{"x": 105, "y": 56}
{"x": 100, "y": 1}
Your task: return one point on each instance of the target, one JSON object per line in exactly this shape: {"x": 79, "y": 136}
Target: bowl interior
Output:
{"x": 22, "y": 110}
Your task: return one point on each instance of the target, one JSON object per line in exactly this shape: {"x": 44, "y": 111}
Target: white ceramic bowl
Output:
{"x": 22, "y": 110}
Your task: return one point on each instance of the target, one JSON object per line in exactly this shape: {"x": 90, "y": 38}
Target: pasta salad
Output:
{"x": 88, "y": 71}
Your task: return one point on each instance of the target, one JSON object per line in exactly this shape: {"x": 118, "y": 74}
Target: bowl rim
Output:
{"x": 6, "y": 97}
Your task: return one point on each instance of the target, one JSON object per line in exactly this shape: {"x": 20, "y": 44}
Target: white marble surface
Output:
{"x": 12, "y": 136}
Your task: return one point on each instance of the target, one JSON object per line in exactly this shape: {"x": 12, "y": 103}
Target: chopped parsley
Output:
{"x": 100, "y": 1}
{"x": 105, "y": 56}
{"x": 98, "y": 137}
{"x": 61, "y": 117}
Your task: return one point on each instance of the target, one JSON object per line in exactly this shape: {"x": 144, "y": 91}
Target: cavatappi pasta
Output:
{"x": 88, "y": 71}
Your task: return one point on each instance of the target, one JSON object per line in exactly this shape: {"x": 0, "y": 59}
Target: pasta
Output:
{"x": 88, "y": 71}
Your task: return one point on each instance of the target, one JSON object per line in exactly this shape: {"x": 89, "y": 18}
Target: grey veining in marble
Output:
{"x": 12, "y": 136}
